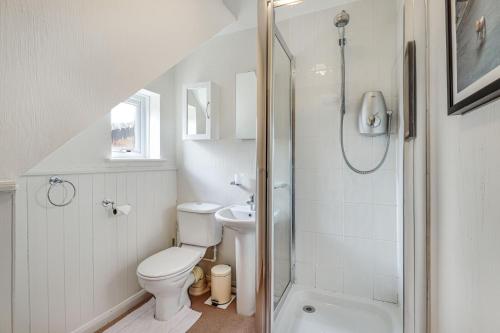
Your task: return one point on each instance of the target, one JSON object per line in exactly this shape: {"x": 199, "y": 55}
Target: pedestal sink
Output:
{"x": 241, "y": 219}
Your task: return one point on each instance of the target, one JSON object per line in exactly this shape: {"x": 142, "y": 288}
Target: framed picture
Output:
{"x": 473, "y": 43}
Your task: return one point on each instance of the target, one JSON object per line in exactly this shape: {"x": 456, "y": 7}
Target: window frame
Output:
{"x": 143, "y": 100}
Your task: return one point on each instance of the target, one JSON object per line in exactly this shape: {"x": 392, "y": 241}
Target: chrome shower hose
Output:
{"x": 342, "y": 114}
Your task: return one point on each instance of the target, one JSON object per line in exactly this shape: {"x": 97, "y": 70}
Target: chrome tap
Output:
{"x": 251, "y": 202}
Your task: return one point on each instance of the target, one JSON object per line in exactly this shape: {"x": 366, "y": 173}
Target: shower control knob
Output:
{"x": 373, "y": 120}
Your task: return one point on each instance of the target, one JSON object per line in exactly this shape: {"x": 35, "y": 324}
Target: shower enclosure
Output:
{"x": 275, "y": 185}
{"x": 281, "y": 168}
{"x": 330, "y": 170}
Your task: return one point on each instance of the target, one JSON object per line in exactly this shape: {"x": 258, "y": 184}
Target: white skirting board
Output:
{"x": 112, "y": 313}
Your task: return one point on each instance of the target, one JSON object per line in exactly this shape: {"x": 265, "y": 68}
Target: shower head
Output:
{"x": 341, "y": 19}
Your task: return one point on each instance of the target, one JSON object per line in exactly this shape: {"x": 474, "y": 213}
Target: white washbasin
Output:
{"x": 237, "y": 217}
{"x": 241, "y": 219}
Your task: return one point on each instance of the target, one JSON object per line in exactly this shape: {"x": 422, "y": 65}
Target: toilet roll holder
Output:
{"x": 109, "y": 203}
{"x": 116, "y": 209}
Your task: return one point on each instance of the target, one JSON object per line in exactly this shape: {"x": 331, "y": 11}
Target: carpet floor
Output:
{"x": 218, "y": 320}
{"x": 212, "y": 320}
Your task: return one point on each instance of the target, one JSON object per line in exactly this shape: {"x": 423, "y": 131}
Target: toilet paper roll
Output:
{"x": 237, "y": 179}
{"x": 122, "y": 210}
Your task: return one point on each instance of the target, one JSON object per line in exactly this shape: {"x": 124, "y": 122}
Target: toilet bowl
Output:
{"x": 168, "y": 274}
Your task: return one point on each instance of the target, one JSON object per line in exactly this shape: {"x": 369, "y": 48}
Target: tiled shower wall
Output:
{"x": 346, "y": 224}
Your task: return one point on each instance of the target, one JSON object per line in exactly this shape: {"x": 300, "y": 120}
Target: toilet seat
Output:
{"x": 169, "y": 263}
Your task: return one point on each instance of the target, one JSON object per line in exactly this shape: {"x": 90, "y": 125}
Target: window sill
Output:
{"x": 7, "y": 186}
{"x": 109, "y": 165}
{"x": 140, "y": 163}
{"x": 135, "y": 160}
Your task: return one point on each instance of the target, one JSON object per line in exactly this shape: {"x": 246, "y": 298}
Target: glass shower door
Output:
{"x": 281, "y": 176}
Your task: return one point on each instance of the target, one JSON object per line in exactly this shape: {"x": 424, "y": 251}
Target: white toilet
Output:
{"x": 167, "y": 274}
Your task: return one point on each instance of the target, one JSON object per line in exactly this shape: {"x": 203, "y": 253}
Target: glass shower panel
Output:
{"x": 281, "y": 175}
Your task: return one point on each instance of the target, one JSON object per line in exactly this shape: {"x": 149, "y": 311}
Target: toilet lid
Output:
{"x": 199, "y": 207}
{"x": 169, "y": 262}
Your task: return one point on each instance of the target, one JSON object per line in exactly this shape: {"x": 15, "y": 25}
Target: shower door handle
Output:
{"x": 279, "y": 186}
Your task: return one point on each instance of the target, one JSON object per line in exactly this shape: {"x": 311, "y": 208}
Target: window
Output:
{"x": 127, "y": 119}
{"x": 135, "y": 126}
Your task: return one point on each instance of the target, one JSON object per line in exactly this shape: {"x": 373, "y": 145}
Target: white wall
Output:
{"x": 205, "y": 169}
{"x": 346, "y": 239}
{"x": 75, "y": 264}
{"x": 90, "y": 150}
{"x": 64, "y": 64}
{"x": 465, "y": 187}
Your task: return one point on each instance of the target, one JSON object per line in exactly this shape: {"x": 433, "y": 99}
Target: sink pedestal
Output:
{"x": 241, "y": 219}
{"x": 245, "y": 272}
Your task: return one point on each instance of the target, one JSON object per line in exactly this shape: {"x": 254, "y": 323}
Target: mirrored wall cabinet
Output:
{"x": 246, "y": 105}
{"x": 199, "y": 111}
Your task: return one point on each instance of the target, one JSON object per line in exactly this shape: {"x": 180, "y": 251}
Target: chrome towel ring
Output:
{"x": 53, "y": 181}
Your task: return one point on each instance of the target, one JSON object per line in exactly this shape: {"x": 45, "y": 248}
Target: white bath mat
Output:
{"x": 220, "y": 306}
{"x": 142, "y": 321}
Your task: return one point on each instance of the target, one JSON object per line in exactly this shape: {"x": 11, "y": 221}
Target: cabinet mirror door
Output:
{"x": 198, "y": 111}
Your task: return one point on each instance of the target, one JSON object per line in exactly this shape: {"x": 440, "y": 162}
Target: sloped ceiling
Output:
{"x": 64, "y": 63}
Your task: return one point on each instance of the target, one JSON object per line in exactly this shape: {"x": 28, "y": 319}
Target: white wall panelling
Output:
{"x": 75, "y": 263}
{"x": 21, "y": 306}
{"x": 6, "y": 251}
{"x": 348, "y": 216}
